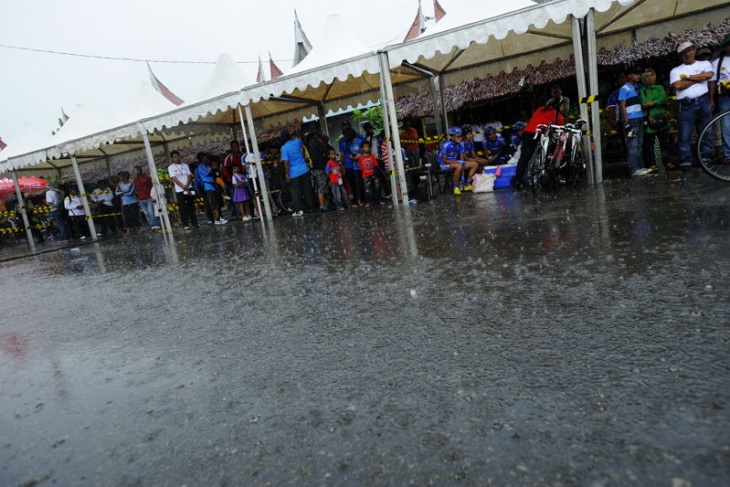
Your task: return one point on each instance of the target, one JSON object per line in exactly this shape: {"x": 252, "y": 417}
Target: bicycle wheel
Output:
{"x": 536, "y": 168}
{"x": 714, "y": 163}
{"x": 283, "y": 198}
{"x": 577, "y": 167}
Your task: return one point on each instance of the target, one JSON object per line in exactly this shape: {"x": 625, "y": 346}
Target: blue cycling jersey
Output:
{"x": 450, "y": 152}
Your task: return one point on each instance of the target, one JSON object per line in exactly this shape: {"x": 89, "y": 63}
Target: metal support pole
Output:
{"x": 386, "y": 127}
{"x": 580, "y": 76}
{"x": 433, "y": 83}
{"x": 252, "y": 164}
{"x": 23, "y": 213}
{"x": 84, "y": 200}
{"x": 257, "y": 160}
{"x": 386, "y": 81}
{"x": 442, "y": 103}
{"x": 322, "y": 114}
{"x": 595, "y": 107}
{"x": 158, "y": 188}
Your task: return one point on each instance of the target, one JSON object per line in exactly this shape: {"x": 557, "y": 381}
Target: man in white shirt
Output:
{"x": 720, "y": 93}
{"x": 54, "y": 199}
{"x": 103, "y": 196}
{"x": 689, "y": 79}
{"x": 182, "y": 181}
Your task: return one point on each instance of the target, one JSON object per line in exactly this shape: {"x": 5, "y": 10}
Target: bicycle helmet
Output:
{"x": 466, "y": 129}
{"x": 453, "y": 131}
{"x": 490, "y": 130}
{"x": 519, "y": 125}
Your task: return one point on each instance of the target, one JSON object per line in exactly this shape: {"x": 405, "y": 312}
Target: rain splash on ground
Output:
{"x": 578, "y": 338}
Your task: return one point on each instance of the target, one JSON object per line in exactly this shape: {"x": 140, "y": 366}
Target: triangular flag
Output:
{"x": 275, "y": 71}
{"x": 2, "y": 144}
{"x": 162, "y": 89}
{"x": 417, "y": 26}
{"x": 260, "y": 78}
{"x": 302, "y": 46}
{"x": 64, "y": 117}
{"x": 438, "y": 10}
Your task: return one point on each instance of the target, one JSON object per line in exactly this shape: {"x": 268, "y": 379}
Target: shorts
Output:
{"x": 214, "y": 199}
{"x": 321, "y": 185}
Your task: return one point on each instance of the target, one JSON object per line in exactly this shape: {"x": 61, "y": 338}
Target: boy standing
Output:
{"x": 368, "y": 162}
{"x": 334, "y": 174}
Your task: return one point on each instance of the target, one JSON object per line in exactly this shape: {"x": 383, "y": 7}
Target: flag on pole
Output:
{"x": 438, "y": 10}
{"x": 64, "y": 117}
{"x": 260, "y": 76}
{"x": 417, "y": 26}
{"x": 302, "y": 46}
{"x": 2, "y": 144}
{"x": 275, "y": 71}
{"x": 162, "y": 89}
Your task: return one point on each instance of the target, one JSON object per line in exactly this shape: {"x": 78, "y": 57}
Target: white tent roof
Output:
{"x": 517, "y": 38}
{"x": 147, "y": 102}
{"x": 338, "y": 44}
{"x": 227, "y": 77}
{"x": 477, "y": 11}
{"x": 27, "y": 148}
{"x": 220, "y": 94}
{"x": 495, "y": 36}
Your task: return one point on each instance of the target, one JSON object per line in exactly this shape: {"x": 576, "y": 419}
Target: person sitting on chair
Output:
{"x": 470, "y": 153}
{"x": 451, "y": 158}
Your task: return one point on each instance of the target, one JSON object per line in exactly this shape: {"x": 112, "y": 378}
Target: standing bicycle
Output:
{"x": 714, "y": 162}
{"x": 545, "y": 115}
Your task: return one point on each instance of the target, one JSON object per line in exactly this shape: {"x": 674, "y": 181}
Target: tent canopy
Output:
{"x": 484, "y": 46}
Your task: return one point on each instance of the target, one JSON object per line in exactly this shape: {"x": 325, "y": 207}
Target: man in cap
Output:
{"x": 694, "y": 108}
{"x": 720, "y": 93}
{"x": 633, "y": 117}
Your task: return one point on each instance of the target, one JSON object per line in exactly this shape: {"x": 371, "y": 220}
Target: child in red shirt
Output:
{"x": 368, "y": 165}
{"x": 334, "y": 175}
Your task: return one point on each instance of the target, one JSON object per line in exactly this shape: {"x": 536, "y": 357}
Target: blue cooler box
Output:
{"x": 503, "y": 181}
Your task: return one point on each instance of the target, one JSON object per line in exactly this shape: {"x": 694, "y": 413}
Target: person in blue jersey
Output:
{"x": 633, "y": 115}
{"x": 451, "y": 158}
{"x": 354, "y": 148}
{"x": 493, "y": 147}
{"x": 470, "y": 152}
{"x": 297, "y": 173}
{"x": 515, "y": 140}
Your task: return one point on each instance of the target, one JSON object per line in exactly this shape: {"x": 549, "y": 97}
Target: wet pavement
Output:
{"x": 578, "y": 338}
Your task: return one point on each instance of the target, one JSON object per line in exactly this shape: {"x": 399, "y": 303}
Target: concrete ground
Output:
{"x": 574, "y": 338}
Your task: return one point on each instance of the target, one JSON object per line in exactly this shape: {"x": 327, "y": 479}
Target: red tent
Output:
{"x": 26, "y": 184}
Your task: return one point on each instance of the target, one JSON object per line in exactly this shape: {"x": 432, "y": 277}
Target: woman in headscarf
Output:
{"x": 654, "y": 102}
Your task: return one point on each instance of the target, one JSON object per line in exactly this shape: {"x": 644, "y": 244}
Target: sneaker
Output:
{"x": 457, "y": 190}
{"x": 298, "y": 213}
{"x": 221, "y": 221}
{"x": 186, "y": 227}
{"x": 640, "y": 172}
{"x": 469, "y": 188}
{"x": 246, "y": 219}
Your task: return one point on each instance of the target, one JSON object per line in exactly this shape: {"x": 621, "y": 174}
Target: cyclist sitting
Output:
{"x": 470, "y": 153}
{"x": 451, "y": 158}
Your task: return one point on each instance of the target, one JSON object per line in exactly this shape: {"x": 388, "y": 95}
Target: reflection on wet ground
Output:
{"x": 579, "y": 338}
